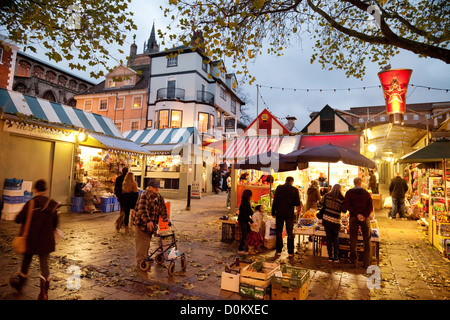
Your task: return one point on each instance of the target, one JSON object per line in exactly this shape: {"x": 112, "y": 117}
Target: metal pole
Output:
{"x": 188, "y": 206}
{"x": 428, "y": 131}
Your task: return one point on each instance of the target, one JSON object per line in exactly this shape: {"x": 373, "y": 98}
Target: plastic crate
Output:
{"x": 296, "y": 279}
{"x": 13, "y": 199}
{"x": 227, "y": 231}
{"x": 77, "y": 204}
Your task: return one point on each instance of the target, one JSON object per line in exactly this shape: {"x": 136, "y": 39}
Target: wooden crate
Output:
{"x": 268, "y": 270}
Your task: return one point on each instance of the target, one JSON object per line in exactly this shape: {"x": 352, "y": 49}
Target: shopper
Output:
{"x": 149, "y": 207}
{"x": 130, "y": 194}
{"x": 333, "y": 202}
{"x": 245, "y": 218}
{"x": 286, "y": 198}
{"x": 40, "y": 237}
{"x": 312, "y": 195}
{"x": 359, "y": 203}
{"x": 118, "y": 192}
{"x": 373, "y": 182}
{"x": 229, "y": 189}
{"x": 254, "y": 237}
{"x": 397, "y": 190}
{"x": 215, "y": 179}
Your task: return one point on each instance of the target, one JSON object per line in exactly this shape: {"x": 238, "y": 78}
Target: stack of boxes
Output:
{"x": 16, "y": 193}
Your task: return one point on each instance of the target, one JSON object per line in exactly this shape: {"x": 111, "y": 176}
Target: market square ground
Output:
{"x": 410, "y": 268}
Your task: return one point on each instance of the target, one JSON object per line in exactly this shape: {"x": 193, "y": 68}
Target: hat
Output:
{"x": 153, "y": 183}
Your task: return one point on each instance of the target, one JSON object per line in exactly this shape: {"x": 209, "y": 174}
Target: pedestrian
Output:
{"x": 333, "y": 202}
{"x": 149, "y": 207}
{"x": 373, "y": 183}
{"x": 245, "y": 218}
{"x": 42, "y": 212}
{"x": 215, "y": 179}
{"x": 229, "y": 188}
{"x": 359, "y": 204}
{"x": 130, "y": 194}
{"x": 312, "y": 195}
{"x": 397, "y": 190}
{"x": 286, "y": 198}
{"x": 254, "y": 238}
{"x": 118, "y": 192}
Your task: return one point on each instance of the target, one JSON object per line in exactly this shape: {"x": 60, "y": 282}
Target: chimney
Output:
{"x": 291, "y": 122}
{"x": 197, "y": 40}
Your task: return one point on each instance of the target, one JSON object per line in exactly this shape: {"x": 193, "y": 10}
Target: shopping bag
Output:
{"x": 19, "y": 244}
{"x": 387, "y": 202}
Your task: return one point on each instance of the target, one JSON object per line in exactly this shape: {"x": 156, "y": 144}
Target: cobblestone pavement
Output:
{"x": 410, "y": 268}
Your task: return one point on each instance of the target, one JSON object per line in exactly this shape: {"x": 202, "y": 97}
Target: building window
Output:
{"x": 50, "y": 76}
{"x": 172, "y": 61}
{"x": 203, "y": 122}
{"x": 416, "y": 117}
{"x": 233, "y": 106}
{"x": 24, "y": 69}
{"x": 149, "y": 124}
{"x": 119, "y": 126}
{"x": 120, "y": 103}
{"x": 103, "y": 105}
{"x": 211, "y": 122}
{"x": 204, "y": 66}
{"x": 382, "y": 118}
{"x": 137, "y": 102}
{"x": 162, "y": 118}
{"x": 223, "y": 94}
{"x": 176, "y": 118}
{"x": 405, "y": 117}
{"x": 111, "y": 83}
{"x": 1, "y": 55}
{"x": 87, "y": 105}
{"x": 128, "y": 82}
{"x": 219, "y": 118}
{"x": 38, "y": 72}
{"x": 62, "y": 81}
{"x": 73, "y": 84}
{"x": 135, "y": 125}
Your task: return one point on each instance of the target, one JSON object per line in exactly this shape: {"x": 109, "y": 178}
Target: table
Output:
{"x": 317, "y": 236}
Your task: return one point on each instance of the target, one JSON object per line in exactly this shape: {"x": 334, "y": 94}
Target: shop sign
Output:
{"x": 196, "y": 189}
{"x": 395, "y": 84}
{"x": 38, "y": 131}
{"x": 230, "y": 124}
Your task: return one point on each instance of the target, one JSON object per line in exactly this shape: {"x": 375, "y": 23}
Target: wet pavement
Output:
{"x": 95, "y": 262}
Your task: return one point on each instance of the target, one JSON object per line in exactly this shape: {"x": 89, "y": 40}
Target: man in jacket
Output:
{"x": 397, "y": 190}
{"x": 285, "y": 199}
{"x": 118, "y": 193}
{"x": 359, "y": 203}
{"x": 149, "y": 207}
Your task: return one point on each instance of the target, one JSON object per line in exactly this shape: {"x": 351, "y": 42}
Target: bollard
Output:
{"x": 188, "y": 207}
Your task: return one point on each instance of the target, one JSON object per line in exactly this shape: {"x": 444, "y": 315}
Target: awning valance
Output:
{"x": 240, "y": 148}
{"x": 349, "y": 141}
{"x": 15, "y": 102}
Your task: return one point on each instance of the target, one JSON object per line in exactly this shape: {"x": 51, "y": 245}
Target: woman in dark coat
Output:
{"x": 312, "y": 195}
{"x": 41, "y": 237}
{"x": 245, "y": 218}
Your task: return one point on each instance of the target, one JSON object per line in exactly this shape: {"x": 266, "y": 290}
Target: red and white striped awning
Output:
{"x": 248, "y": 146}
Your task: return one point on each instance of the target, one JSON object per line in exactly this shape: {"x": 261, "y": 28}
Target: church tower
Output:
{"x": 151, "y": 45}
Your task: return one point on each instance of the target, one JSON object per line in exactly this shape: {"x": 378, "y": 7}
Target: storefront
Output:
{"x": 42, "y": 140}
{"x": 175, "y": 158}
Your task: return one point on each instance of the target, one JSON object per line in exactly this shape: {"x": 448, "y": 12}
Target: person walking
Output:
{"x": 359, "y": 203}
{"x": 373, "y": 182}
{"x": 397, "y": 190}
{"x": 130, "y": 194}
{"x": 149, "y": 207}
{"x": 286, "y": 198}
{"x": 333, "y": 202}
{"x": 245, "y": 218}
{"x": 215, "y": 179}
{"x": 312, "y": 195}
{"x": 43, "y": 220}
{"x": 229, "y": 188}
{"x": 118, "y": 192}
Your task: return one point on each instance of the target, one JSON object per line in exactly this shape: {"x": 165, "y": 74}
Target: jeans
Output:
{"x": 245, "y": 229}
{"x": 365, "y": 229}
{"x": 43, "y": 264}
{"x": 398, "y": 205}
{"x": 332, "y": 231}
{"x": 280, "y": 221}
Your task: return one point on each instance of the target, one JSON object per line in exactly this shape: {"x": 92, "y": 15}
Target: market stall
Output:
{"x": 433, "y": 192}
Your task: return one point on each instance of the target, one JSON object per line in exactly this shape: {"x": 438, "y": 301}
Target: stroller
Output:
{"x": 167, "y": 250}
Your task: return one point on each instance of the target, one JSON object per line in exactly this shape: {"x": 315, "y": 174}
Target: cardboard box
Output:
{"x": 377, "y": 200}
{"x": 291, "y": 283}
{"x": 255, "y": 292}
{"x": 231, "y": 277}
{"x": 279, "y": 292}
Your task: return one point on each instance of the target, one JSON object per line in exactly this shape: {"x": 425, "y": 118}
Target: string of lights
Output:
{"x": 346, "y": 89}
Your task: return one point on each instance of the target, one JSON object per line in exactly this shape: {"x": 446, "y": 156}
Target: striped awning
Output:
{"x": 249, "y": 146}
{"x": 15, "y": 102}
{"x": 161, "y": 136}
{"x": 118, "y": 144}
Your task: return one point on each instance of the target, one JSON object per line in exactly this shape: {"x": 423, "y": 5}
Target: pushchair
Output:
{"x": 167, "y": 250}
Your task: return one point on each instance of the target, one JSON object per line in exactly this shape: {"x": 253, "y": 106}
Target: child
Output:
{"x": 254, "y": 238}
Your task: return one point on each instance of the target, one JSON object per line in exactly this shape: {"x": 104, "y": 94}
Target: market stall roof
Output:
{"x": 434, "y": 152}
{"x": 244, "y": 147}
{"x": 120, "y": 144}
{"x": 17, "y": 103}
{"x": 349, "y": 141}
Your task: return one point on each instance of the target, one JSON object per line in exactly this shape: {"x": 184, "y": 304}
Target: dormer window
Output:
{"x": 111, "y": 83}
{"x": 128, "y": 82}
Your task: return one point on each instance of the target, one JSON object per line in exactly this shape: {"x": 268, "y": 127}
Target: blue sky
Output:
{"x": 293, "y": 70}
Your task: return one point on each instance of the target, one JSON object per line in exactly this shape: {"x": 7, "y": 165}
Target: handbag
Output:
{"x": 19, "y": 243}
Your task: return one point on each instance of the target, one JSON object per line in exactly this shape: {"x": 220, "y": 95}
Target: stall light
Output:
{"x": 82, "y": 136}
{"x": 388, "y": 159}
{"x": 372, "y": 147}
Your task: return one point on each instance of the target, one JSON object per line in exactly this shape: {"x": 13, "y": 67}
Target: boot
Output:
{"x": 45, "y": 284}
{"x": 18, "y": 281}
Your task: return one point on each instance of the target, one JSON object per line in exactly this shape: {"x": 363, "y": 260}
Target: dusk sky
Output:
{"x": 294, "y": 71}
